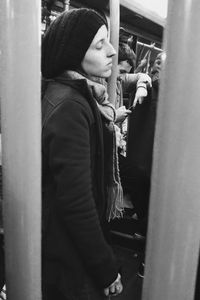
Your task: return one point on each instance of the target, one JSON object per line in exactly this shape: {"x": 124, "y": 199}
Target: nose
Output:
{"x": 111, "y": 50}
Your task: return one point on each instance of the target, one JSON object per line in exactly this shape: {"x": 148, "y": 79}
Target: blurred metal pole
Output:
{"x": 21, "y": 135}
{"x": 114, "y": 38}
{"x": 66, "y": 4}
{"x": 174, "y": 224}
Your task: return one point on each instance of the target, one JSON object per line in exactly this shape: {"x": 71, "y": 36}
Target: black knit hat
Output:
{"x": 67, "y": 40}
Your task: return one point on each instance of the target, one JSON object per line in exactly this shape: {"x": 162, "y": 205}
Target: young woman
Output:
{"x": 81, "y": 186}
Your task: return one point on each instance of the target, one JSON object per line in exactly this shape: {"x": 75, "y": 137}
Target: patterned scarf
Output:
{"x": 98, "y": 89}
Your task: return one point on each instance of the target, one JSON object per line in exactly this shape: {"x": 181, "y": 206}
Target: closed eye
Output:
{"x": 99, "y": 44}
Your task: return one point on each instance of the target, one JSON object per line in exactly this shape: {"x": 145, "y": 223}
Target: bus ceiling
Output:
{"x": 133, "y": 16}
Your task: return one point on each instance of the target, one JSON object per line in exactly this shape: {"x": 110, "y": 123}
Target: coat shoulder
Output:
{"x": 66, "y": 96}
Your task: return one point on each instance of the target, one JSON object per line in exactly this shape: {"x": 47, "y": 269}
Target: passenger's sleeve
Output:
{"x": 70, "y": 161}
{"x": 129, "y": 81}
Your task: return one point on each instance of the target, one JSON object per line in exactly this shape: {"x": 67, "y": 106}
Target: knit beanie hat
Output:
{"x": 67, "y": 40}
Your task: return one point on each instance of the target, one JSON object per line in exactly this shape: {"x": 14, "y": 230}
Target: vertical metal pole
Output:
{"x": 114, "y": 39}
{"x": 66, "y": 4}
{"x": 21, "y": 118}
{"x": 174, "y": 225}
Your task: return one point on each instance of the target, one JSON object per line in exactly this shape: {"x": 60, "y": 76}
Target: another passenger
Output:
{"x": 128, "y": 83}
{"x": 81, "y": 187}
{"x": 136, "y": 175}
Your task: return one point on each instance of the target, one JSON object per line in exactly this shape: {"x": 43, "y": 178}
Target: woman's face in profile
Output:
{"x": 98, "y": 58}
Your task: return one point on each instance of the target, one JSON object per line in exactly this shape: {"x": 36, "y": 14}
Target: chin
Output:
{"x": 106, "y": 74}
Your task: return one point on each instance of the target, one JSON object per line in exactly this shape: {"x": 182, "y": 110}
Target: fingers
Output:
{"x": 115, "y": 288}
{"x": 122, "y": 113}
{"x": 139, "y": 96}
{"x": 140, "y": 100}
{"x": 121, "y": 109}
{"x": 128, "y": 111}
{"x": 106, "y": 291}
{"x": 112, "y": 289}
{"x": 135, "y": 102}
{"x": 119, "y": 288}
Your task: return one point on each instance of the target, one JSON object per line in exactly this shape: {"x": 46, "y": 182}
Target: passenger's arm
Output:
{"x": 139, "y": 82}
{"x": 130, "y": 81}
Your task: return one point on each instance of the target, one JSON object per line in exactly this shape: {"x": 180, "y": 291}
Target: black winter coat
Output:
{"x": 74, "y": 204}
{"x": 141, "y": 133}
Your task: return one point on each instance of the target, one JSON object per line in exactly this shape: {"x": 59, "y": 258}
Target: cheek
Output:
{"x": 127, "y": 67}
{"x": 93, "y": 64}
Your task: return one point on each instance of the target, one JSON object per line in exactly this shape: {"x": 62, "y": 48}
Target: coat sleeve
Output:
{"x": 129, "y": 82}
{"x": 70, "y": 162}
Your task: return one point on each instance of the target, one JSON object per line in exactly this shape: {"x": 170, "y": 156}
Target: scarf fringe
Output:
{"x": 115, "y": 209}
{"x": 115, "y": 206}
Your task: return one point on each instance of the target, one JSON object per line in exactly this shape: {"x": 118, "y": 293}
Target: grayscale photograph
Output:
{"x": 99, "y": 150}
